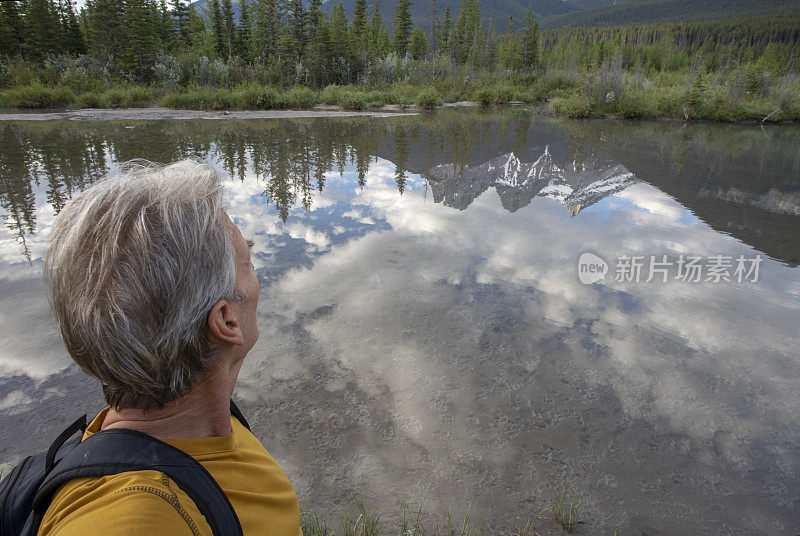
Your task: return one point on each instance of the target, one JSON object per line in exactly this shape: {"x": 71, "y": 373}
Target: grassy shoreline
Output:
{"x": 357, "y": 519}
{"x": 552, "y": 96}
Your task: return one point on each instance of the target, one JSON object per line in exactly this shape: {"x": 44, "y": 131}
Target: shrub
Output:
{"x": 255, "y": 97}
{"x": 402, "y": 93}
{"x": 486, "y": 96}
{"x": 668, "y": 101}
{"x": 300, "y": 98}
{"x": 128, "y": 97}
{"x": 116, "y": 98}
{"x": 20, "y": 73}
{"x": 91, "y": 100}
{"x": 506, "y": 93}
{"x": 199, "y": 99}
{"x": 353, "y": 100}
{"x": 388, "y": 69}
{"x": 376, "y": 99}
{"x": 331, "y": 95}
{"x": 575, "y": 106}
{"x": 139, "y": 96}
{"x": 429, "y": 98}
{"x": 167, "y": 71}
{"x": 38, "y": 96}
{"x": 552, "y": 84}
{"x": 635, "y": 104}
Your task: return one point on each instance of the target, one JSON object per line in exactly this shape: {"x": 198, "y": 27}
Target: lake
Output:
{"x": 474, "y": 307}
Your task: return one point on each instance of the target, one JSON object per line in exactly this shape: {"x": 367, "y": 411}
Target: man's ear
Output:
{"x": 223, "y": 323}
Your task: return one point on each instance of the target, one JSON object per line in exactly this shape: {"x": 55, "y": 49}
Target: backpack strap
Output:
{"x": 236, "y": 412}
{"x": 114, "y": 451}
{"x": 50, "y": 459}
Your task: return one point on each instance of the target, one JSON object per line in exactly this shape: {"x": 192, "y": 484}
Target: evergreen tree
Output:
{"x": 11, "y": 29}
{"x": 217, "y": 27}
{"x": 338, "y": 31}
{"x": 509, "y": 54}
{"x": 243, "y": 32}
{"x": 180, "y": 12}
{"x": 378, "y": 36}
{"x": 287, "y": 46}
{"x": 266, "y": 30}
{"x": 417, "y": 45}
{"x": 360, "y": 22}
{"x": 459, "y": 43}
{"x": 299, "y": 25}
{"x": 198, "y": 33}
{"x": 43, "y": 32}
{"x": 473, "y": 30}
{"x": 107, "y": 33}
{"x": 166, "y": 26}
{"x": 312, "y": 17}
{"x": 444, "y": 32}
{"x": 228, "y": 27}
{"x": 318, "y": 54}
{"x": 402, "y": 26}
{"x": 359, "y": 39}
{"x": 75, "y": 42}
{"x": 530, "y": 41}
{"x": 435, "y": 28}
{"x": 138, "y": 55}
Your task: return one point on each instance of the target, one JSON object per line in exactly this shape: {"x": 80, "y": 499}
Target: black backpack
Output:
{"x": 26, "y": 493}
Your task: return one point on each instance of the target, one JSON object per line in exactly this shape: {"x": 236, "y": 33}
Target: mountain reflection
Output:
{"x": 517, "y": 182}
{"x": 734, "y": 178}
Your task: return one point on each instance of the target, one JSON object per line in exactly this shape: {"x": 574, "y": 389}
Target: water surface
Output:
{"x": 425, "y": 335}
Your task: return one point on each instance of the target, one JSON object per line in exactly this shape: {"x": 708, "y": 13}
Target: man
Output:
{"x": 155, "y": 295}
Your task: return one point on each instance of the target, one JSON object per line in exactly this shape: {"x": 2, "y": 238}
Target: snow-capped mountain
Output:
{"x": 773, "y": 200}
{"x": 576, "y": 186}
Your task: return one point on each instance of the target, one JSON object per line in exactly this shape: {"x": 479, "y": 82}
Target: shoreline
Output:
{"x": 319, "y": 110}
{"x": 159, "y": 112}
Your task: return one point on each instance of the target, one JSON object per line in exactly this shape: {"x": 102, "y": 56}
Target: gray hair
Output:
{"x": 133, "y": 268}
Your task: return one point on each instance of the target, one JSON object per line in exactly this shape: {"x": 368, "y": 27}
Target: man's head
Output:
{"x": 150, "y": 282}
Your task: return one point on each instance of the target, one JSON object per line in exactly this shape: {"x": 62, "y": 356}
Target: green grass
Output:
{"x": 362, "y": 521}
{"x": 37, "y": 96}
{"x": 198, "y": 99}
{"x": 357, "y": 519}
{"x": 669, "y": 95}
{"x": 566, "y": 511}
{"x": 244, "y": 97}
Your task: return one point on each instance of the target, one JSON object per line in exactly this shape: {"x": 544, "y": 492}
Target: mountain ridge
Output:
{"x": 497, "y": 11}
{"x": 567, "y": 13}
{"x": 651, "y": 11}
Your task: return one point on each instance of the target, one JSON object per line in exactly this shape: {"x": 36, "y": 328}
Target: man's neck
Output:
{"x": 204, "y": 412}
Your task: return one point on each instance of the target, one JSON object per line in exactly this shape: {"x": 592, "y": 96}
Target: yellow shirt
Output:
{"x": 148, "y": 502}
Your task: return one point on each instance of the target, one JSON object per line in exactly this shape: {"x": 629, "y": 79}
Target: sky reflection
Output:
{"x": 438, "y": 344}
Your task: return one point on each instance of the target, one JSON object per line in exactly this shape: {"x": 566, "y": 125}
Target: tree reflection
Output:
{"x": 292, "y": 158}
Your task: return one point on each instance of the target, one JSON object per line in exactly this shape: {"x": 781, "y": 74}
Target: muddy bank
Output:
{"x": 168, "y": 113}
